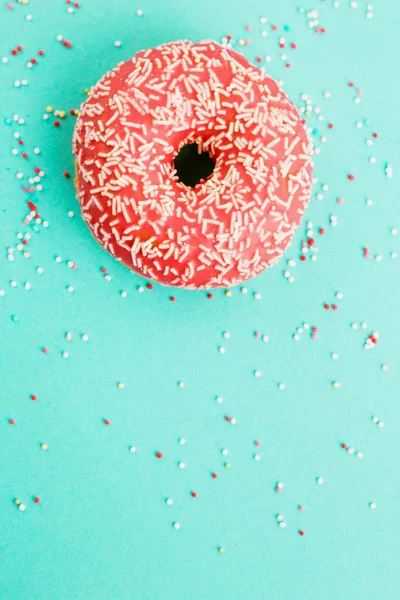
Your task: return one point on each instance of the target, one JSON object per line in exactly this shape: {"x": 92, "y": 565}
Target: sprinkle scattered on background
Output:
{"x": 240, "y": 443}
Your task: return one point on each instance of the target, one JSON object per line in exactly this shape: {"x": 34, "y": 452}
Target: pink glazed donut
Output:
{"x": 192, "y": 167}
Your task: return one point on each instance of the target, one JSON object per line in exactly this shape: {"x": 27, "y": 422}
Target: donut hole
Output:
{"x": 192, "y": 167}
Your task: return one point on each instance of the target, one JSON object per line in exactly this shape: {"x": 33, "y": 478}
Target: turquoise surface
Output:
{"x": 103, "y": 529}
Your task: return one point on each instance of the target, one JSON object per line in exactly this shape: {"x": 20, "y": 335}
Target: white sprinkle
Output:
{"x": 282, "y": 524}
{"x": 257, "y": 373}
{"x": 28, "y": 17}
{"x": 39, "y": 270}
{"x": 65, "y": 354}
{"x": 281, "y": 386}
{"x": 71, "y": 213}
{"x": 224, "y": 452}
{"x": 139, "y": 12}
{"x": 124, "y": 294}
{"x": 182, "y": 441}
{"x": 219, "y": 399}
{"x": 132, "y": 449}
{"x": 257, "y": 295}
{"x": 22, "y": 507}
{"x": 320, "y": 480}
{"x": 181, "y": 465}
{"x": 59, "y": 38}
{"x": 70, "y": 288}
{"x": 394, "y": 231}
{"x": 85, "y": 337}
{"x": 221, "y": 350}
{"x": 177, "y": 525}
{"x": 169, "y": 501}
{"x": 117, "y": 43}
{"x": 372, "y": 505}
{"x": 257, "y": 457}
{"x": 381, "y": 424}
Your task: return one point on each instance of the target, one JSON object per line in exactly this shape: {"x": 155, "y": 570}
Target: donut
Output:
{"x": 193, "y": 168}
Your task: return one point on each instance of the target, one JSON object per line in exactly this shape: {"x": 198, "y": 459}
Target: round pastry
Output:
{"x": 193, "y": 167}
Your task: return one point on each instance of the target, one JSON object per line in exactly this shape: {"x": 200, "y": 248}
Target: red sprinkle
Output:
{"x": 67, "y": 175}
{"x": 194, "y": 495}
{"x": 33, "y": 397}
{"x": 301, "y": 532}
{"x": 257, "y": 443}
{"x": 56, "y": 123}
{"x": 214, "y": 475}
{"x": 106, "y": 422}
{"x": 41, "y": 52}
{"x": 293, "y": 45}
{"x": 351, "y": 177}
{"x": 36, "y": 500}
{"x": 310, "y": 242}
{"x": 303, "y": 258}
{"x": 344, "y": 446}
{"x": 334, "y": 307}
{"x": 321, "y": 231}
{"x": 149, "y": 286}
{"x": 351, "y": 84}
{"x": 159, "y": 454}
{"x": 375, "y": 135}
{"x": 314, "y": 329}
{"x": 172, "y": 298}
{"x": 331, "y": 125}
{"x": 24, "y": 155}
{"x": 228, "y": 419}
{"x": 210, "y": 296}
{"x": 45, "y": 350}
{"x": 11, "y": 421}
{"x": 326, "y": 306}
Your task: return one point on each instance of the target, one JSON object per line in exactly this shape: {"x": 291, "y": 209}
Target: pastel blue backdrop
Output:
{"x": 103, "y": 530}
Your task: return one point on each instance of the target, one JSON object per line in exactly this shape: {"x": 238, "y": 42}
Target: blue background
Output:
{"x": 103, "y": 529}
